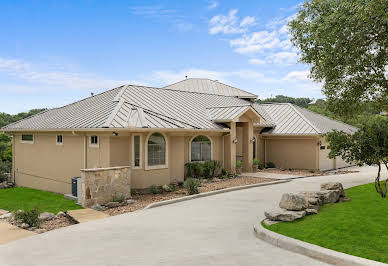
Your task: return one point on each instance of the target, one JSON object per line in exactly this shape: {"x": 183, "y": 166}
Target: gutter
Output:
{"x": 130, "y": 129}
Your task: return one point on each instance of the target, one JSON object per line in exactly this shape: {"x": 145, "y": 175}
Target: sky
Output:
{"x": 53, "y": 53}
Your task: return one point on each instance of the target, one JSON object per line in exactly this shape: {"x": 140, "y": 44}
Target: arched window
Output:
{"x": 200, "y": 149}
{"x": 156, "y": 150}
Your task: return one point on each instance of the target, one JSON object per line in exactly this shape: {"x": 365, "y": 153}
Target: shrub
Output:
{"x": 30, "y": 217}
{"x": 270, "y": 165}
{"x": 224, "y": 172}
{"x": 172, "y": 187}
{"x": 118, "y": 198}
{"x": 134, "y": 191}
{"x": 256, "y": 161}
{"x": 239, "y": 164}
{"x": 191, "y": 184}
{"x": 261, "y": 166}
{"x": 153, "y": 189}
{"x": 194, "y": 169}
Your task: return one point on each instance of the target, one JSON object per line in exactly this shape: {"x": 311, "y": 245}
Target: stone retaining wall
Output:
{"x": 100, "y": 185}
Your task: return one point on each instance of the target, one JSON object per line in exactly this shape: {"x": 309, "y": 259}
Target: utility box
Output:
{"x": 74, "y": 190}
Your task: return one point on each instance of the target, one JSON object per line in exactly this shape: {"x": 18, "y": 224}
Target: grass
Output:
{"x": 12, "y": 199}
{"x": 357, "y": 227}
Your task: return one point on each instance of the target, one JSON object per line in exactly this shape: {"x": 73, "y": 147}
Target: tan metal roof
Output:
{"x": 293, "y": 120}
{"x": 226, "y": 113}
{"x": 208, "y": 86}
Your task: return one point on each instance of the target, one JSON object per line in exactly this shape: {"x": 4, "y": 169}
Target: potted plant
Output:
{"x": 239, "y": 166}
{"x": 255, "y": 165}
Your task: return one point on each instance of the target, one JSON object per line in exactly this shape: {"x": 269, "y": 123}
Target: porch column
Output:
{"x": 247, "y": 146}
{"x": 231, "y": 156}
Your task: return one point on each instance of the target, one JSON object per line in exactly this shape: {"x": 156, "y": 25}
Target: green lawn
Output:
{"x": 357, "y": 227}
{"x": 13, "y": 199}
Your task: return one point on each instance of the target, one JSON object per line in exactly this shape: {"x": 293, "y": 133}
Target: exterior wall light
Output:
{"x": 234, "y": 141}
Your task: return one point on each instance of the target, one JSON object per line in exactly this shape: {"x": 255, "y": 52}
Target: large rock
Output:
{"x": 112, "y": 204}
{"x": 314, "y": 198}
{"x": 45, "y": 216}
{"x": 330, "y": 196}
{"x": 333, "y": 186}
{"x": 284, "y": 215}
{"x": 293, "y": 202}
{"x": 311, "y": 211}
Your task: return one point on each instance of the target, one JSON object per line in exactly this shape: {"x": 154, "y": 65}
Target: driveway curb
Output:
{"x": 211, "y": 193}
{"x": 310, "y": 250}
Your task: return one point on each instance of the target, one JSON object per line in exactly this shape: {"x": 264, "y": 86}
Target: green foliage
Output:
{"x": 118, "y": 198}
{"x": 302, "y": 102}
{"x": 270, "y": 165}
{"x": 194, "y": 169}
{"x": 153, "y": 189}
{"x": 369, "y": 145}
{"x": 30, "y": 217}
{"x": 338, "y": 226}
{"x": 224, "y": 172}
{"x": 239, "y": 164}
{"x": 261, "y": 166}
{"x": 207, "y": 169}
{"x": 192, "y": 184}
{"x": 256, "y": 161}
{"x": 6, "y": 119}
{"x": 134, "y": 191}
{"x": 172, "y": 187}
{"x": 346, "y": 44}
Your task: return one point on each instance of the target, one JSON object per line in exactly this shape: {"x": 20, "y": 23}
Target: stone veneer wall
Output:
{"x": 100, "y": 185}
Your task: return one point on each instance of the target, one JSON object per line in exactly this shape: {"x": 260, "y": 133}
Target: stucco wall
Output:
{"x": 45, "y": 165}
{"x": 298, "y": 152}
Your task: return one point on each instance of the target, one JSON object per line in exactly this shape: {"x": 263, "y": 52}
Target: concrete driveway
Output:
{"x": 215, "y": 230}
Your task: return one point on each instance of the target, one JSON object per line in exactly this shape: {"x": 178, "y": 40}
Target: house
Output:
{"x": 156, "y": 131}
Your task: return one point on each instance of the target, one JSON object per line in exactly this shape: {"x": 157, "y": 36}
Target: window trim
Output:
{"x": 27, "y": 141}
{"x": 133, "y": 151}
{"x": 211, "y": 147}
{"x": 59, "y": 143}
{"x": 93, "y": 145}
{"x": 154, "y": 167}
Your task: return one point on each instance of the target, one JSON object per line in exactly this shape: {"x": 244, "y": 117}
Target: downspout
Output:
{"x": 265, "y": 151}
{"x": 85, "y": 152}
{"x": 13, "y": 159}
{"x": 223, "y": 151}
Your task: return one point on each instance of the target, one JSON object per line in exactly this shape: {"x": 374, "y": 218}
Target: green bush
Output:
{"x": 224, "y": 172}
{"x": 172, "y": 187}
{"x": 192, "y": 184}
{"x": 154, "y": 189}
{"x": 134, "y": 191}
{"x": 261, "y": 166}
{"x": 30, "y": 217}
{"x": 195, "y": 169}
{"x": 118, "y": 198}
{"x": 256, "y": 161}
{"x": 239, "y": 164}
{"x": 270, "y": 165}
{"x": 207, "y": 169}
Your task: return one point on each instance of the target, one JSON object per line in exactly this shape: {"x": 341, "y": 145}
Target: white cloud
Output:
{"x": 64, "y": 79}
{"x": 213, "y": 5}
{"x": 256, "y": 42}
{"x": 255, "y": 61}
{"x": 283, "y": 58}
{"x": 247, "y": 21}
{"x": 297, "y": 76}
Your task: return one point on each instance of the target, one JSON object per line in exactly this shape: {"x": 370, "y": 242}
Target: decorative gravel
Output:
{"x": 56, "y": 223}
{"x": 143, "y": 200}
{"x": 307, "y": 172}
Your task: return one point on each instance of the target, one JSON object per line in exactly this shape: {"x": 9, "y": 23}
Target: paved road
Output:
{"x": 215, "y": 230}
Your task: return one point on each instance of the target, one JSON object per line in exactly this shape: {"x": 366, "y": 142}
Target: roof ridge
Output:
{"x": 305, "y": 119}
{"x": 227, "y": 106}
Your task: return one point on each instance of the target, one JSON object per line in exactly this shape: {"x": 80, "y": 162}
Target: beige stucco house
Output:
{"x": 156, "y": 131}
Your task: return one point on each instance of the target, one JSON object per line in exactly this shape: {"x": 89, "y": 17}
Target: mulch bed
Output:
{"x": 145, "y": 199}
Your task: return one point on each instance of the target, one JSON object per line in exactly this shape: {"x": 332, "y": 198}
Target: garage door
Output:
{"x": 325, "y": 163}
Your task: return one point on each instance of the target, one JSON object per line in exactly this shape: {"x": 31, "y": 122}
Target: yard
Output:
{"x": 22, "y": 198}
{"x": 357, "y": 227}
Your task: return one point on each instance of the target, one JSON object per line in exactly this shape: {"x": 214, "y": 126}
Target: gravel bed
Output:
{"x": 56, "y": 223}
{"x": 306, "y": 172}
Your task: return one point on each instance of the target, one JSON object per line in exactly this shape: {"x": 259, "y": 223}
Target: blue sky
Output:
{"x": 55, "y": 52}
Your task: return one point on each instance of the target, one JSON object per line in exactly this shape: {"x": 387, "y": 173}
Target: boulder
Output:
{"x": 97, "y": 207}
{"x": 112, "y": 204}
{"x": 268, "y": 222}
{"x": 293, "y": 202}
{"x": 7, "y": 216}
{"x": 24, "y": 226}
{"x": 45, "y": 216}
{"x": 131, "y": 201}
{"x": 60, "y": 214}
{"x": 166, "y": 188}
{"x": 330, "y": 196}
{"x": 313, "y": 197}
{"x": 311, "y": 211}
{"x": 284, "y": 215}
{"x": 333, "y": 186}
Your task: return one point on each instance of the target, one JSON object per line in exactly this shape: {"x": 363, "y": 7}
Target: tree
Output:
{"x": 369, "y": 145}
{"x": 302, "y": 102}
{"x": 346, "y": 44}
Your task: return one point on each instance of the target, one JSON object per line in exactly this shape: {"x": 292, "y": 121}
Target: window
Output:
{"x": 200, "y": 149}
{"x": 322, "y": 147}
{"x": 27, "y": 138}
{"x": 59, "y": 140}
{"x": 156, "y": 150}
{"x": 136, "y": 151}
{"x": 94, "y": 141}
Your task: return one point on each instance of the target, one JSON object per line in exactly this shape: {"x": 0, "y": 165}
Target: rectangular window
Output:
{"x": 94, "y": 141}
{"x": 136, "y": 151}
{"x": 27, "y": 138}
{"x": 59, "y": 139}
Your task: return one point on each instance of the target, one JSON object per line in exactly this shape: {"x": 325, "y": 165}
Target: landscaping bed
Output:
{"x": 356, "y": 227}
{"x": 143, "y": 199}
{"x": 305, "y": 172}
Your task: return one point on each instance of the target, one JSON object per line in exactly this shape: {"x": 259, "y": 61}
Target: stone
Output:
{"x": 311, "y": 211}
{"x": 112, "y": 204}
{"x": 7, "y": 216}
{"x": 166, "y": 188}
{"x": 268, "y": 222}
{"x": 131, "y": 201}
{"x": 24, "y": 226}
{"x": 46, "y": 216}
{"x": 284, "y": 215}
{"x": 3, "y": 212}
{"x": 293, "y": 202}
{"x": 344, "y": 199}
{"x": 330, "y": 196}
{"x": 39, "y": 231}
{"x": 60, "y": 214}
{"x": 333, "y": 186}
{"x": 97, "y": 207}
